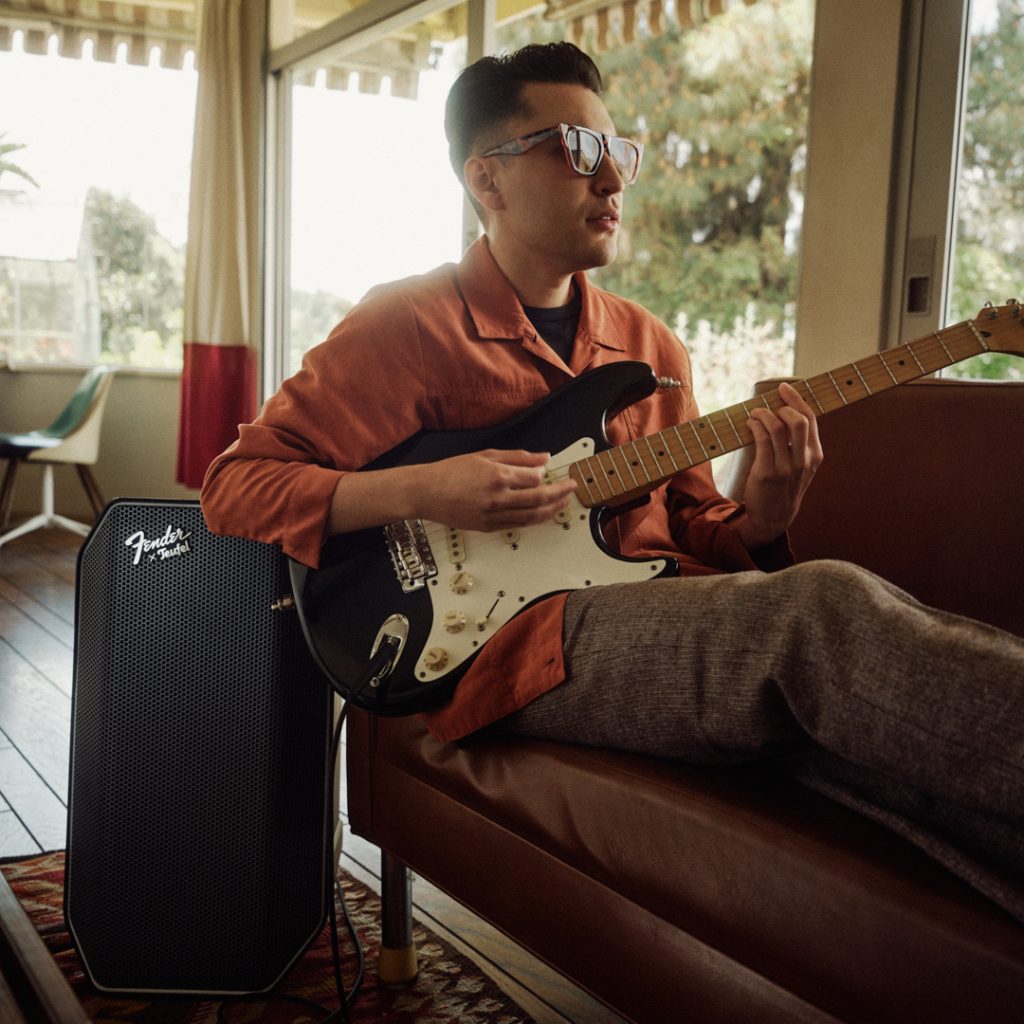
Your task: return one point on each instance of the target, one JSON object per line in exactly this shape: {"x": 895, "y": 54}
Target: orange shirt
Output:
{"x": 448, "y": 350}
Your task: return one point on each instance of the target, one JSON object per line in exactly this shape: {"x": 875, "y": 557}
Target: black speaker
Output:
{"x": 199, "y": 821}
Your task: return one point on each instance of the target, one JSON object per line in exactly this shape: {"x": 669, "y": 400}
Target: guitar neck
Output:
{"x": 627, "y": 471}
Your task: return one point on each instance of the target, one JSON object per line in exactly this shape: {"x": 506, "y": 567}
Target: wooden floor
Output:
{"x": 37, "y": 574}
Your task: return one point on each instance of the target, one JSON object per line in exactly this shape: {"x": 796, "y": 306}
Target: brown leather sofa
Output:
{"x": 679, "y": 894}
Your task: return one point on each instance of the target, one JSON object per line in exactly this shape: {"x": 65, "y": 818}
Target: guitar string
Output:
{"x": 873, "y": 377}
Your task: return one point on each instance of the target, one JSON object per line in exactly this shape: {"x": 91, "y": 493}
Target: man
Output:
{"x": 821, "y": 665}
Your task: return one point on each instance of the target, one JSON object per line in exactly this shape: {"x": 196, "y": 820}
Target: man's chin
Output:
{"x": 602, "y": 256}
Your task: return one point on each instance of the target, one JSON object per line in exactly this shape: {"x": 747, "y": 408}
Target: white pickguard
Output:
{"x": 508, "y": 571}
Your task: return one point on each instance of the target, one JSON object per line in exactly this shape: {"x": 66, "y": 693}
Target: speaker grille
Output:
{"x": 199, "y": 774}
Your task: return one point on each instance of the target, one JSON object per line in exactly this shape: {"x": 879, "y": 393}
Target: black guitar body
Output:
{"x": 345, "y": 604}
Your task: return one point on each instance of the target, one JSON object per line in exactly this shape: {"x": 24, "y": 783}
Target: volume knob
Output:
{"x": 435, "y": 658}
{"x": 454, "y": 621}
{"x": 461, "y": 582}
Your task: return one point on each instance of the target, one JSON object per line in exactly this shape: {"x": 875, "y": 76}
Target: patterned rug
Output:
{"x": 448, "y": 989}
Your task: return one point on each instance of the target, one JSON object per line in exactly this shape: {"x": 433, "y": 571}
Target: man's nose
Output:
{"x": 608, "y": 180}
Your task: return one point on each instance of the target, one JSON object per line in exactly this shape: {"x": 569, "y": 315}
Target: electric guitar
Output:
{"x": 396, "y": 615}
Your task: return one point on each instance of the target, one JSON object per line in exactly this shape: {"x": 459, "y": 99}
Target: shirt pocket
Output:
{"x": 490, "y": 407}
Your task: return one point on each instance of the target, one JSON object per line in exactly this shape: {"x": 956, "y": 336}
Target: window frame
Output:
{"x": 883, "y": 154}
{"x": 344, "y": 35}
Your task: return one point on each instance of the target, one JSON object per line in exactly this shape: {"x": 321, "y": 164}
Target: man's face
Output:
{"x": 564, "y": 221}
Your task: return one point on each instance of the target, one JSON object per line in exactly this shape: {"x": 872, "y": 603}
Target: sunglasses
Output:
{"x": 584, "y": 149}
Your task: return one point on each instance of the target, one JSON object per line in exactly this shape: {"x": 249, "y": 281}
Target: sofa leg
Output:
{"x": 397, "y": 960}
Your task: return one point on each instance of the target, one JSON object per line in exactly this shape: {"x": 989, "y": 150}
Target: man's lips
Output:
{"x": 609, "y": 218}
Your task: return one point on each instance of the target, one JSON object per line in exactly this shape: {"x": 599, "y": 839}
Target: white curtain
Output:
{"x": 222, "y": 265}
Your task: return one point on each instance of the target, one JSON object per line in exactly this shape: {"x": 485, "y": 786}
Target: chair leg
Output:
{"x": 47, "y": 517}
{"x": 92, "y": 489}
{"x": 397, "y": 959}
{"x": 7, "y": 492}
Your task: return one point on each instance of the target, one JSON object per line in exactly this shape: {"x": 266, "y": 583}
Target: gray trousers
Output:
{"x": 913, "y": 716}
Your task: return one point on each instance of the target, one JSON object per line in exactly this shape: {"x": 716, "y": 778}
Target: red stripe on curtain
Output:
{"x": 218, "y": 391}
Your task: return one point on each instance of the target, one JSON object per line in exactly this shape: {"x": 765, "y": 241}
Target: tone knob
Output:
{"x": 461, "y": 582}
{"x": 510, "y": 536}
{"x": 454, "y": 621}
{"x": 563, "y": 516}
{"x": 435, "y": 659}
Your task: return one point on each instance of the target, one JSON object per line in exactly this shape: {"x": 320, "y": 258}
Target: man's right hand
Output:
{"x": 487, "y": 490}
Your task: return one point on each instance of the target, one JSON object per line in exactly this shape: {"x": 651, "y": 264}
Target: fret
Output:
{"x": 648, "y": 461}
{"x": 718, "y": 441}
{"x": 614, "y": 480}
{"x": 977, "y": 334}
{"x": 624, "y": 459}
{"x": 667, "y": 453}
{"x": 733, "y": 425}
{"x": 682, "y": 445}
{"x": 862, "y": 380}
{"x": 629, "y": 465}
{"x": 908, "y": 371}
{"x": 913, "y": 355}
{"x": 839, "y": 390}
{"x": 696, "y": 435}
{"x": 650, "y": 448}
{"x": 881, "y": 359}
{"x": 595, "y": 478}
{"x": 813, "y": 396}
{"x": 639, "y": 461}
{"x": 938, "y": 338}
{"x": 578, "y": 474}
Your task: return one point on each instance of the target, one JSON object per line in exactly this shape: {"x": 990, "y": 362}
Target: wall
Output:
{"x": 138, "y": 447}
{"x": 845, "y": 261}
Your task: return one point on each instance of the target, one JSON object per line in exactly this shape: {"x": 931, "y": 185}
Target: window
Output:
{"x": 372, "y": 196}
{"x": 711, "y": 234}
{"x": 957, "y": 242}
{"x": 988, "y": 256}
{"x": 92, "y": 240}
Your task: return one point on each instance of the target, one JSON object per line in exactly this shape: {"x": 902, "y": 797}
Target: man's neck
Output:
{"x": 534, "y": 284}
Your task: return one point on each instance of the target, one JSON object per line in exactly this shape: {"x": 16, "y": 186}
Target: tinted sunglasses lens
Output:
{"x": 584, "y": 150}
{"x": 626, "y": 156}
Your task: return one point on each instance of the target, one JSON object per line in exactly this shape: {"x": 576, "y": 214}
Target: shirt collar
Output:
{"x": 496, "y": 311}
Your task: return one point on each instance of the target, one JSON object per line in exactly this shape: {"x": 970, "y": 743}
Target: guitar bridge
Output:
{"x": 410, "y": 553}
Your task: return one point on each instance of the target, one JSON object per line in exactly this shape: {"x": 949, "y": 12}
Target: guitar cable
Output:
{"x": 345, "y": 998}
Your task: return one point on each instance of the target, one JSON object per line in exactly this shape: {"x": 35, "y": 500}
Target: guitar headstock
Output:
{"x": 1002, "y": 327}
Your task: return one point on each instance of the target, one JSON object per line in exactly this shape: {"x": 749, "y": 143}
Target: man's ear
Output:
{"x": 482, "y": 184}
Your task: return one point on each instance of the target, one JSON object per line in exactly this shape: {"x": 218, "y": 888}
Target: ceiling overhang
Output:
{"x": 170, "y": 26}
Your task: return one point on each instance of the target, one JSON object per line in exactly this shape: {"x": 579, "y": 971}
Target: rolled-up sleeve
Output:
{"x": 338, "y": 413}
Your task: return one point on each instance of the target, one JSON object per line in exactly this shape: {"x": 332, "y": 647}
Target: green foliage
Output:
{"x": 141, "y": 283}
{"x": 8, "y": 167}
{"x": 313, "y": 315}
{"x": 711, "y": 224}
{"x": 989, "y": 254}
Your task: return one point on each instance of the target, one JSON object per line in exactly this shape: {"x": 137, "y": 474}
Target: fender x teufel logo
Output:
{"x": 171, "y": 544}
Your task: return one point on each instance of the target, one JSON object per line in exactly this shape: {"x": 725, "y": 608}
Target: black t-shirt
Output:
{"x": 557, "y": 325}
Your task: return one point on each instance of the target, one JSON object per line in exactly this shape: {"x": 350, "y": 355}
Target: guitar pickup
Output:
{"x": 411, "y": 554}
{"x": 456, "y": 547}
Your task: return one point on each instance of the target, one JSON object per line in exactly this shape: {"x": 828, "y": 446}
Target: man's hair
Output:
{"x": 488, "y": 93}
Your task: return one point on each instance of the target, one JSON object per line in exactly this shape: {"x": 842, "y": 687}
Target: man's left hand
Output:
{"x": 787, "y": 454}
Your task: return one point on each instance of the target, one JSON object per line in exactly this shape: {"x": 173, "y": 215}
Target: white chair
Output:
{"x": 74, "y": 438}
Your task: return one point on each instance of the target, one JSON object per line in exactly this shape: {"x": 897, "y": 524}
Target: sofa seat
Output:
{"x": 680, "y": 894}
